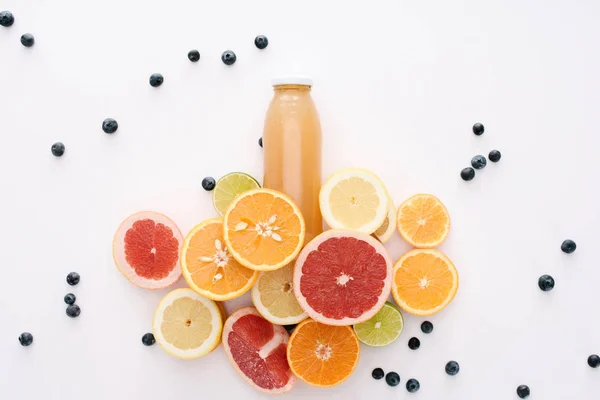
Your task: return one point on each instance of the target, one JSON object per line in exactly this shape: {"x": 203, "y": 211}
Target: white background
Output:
{"x": 398, "y": 85}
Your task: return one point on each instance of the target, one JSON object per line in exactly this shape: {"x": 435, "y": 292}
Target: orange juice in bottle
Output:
{"x": 292, "y": 148}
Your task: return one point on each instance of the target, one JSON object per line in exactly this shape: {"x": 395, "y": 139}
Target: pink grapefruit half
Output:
{"x": 257, "y": 351}
{"x": 146, "y": 250}
{"x": 342, "y": 277}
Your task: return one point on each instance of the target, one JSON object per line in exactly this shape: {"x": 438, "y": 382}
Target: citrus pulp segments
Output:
{"x": 354, "y": 199}
{"x": 423, "y": 221}
{"x": 187, "y": 325}
{"x": 387, "y": 228}
{"x": 257, "y": 351}
{"x": 338, "y": 268}
{"x": 229, "y": 187}
{"x": 259, "y": 238}
{"x": 384, "y": 328}
{"x": 273, "y": 296}
{"x": 208, "y": 260}
{"x": 137, "y": 228}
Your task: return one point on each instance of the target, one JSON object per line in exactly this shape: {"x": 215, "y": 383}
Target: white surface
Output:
{"x": 398, "y": 86}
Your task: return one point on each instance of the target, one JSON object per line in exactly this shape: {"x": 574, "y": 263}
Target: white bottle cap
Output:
{"x": 292, "y": 80}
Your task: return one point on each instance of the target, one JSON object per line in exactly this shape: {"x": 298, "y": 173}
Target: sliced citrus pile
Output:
{"x": 263, "y": 229}
{"x": 323, "y": 355}
{"x": 209, "y": 268}
{"x": 424, "y": 282}
{"x": 387, "y": 228}
{"x": 423, "y": 221}
{"x": 273, "y": 296}
{"x": 229, "y": 187}
{"x": 187, "y": 325}
{"x": 354, "y": 199}
{"x": 384, "y": 328}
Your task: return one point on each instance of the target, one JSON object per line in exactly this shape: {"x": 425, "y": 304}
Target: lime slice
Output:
{"x": 383, "y": 328}
{"x": 229, "y": 187}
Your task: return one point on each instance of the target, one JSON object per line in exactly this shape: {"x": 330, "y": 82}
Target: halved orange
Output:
{"x": 209, "y": 268}
{"x": 424, "y": 282}
{"x": 263, "y": 229}
{"x": 323, "y": 355}
{"x": 423, "y": 221}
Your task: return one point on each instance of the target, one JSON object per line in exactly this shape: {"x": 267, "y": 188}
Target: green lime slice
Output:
{"x": 383, "y": 328}
{"x": 229, "y": 187}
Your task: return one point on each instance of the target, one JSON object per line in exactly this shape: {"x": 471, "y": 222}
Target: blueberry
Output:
{"x": 414, "y": 343}
{"x": 452, "y": 368}
{"x": 467, "y": 174}
{"x": 228, "y": 57}
{"x": 494, "y": 156}
{"x": 109, "y": 125}
{"x": 568, "y": 246}
{"x": 58, "y": 149}
{"x": 378, "y": 374}
{"x": 73, "y": 311}
{"x": 478, "y": 129}
{"x": 478, "y": 162}
{"x": 426, "y": 327}
{"x": 27, "y": 40}
{"x": 70, "y": 298}
{"x": 260, "y": 142}
{"x": 148, "y": 339}
{"x": 261, "y": 42}
{"x": 546, "y": 283}
{"x": 594, "y": 361}
{"x": 523, "y": 391}
{"x": 413, "y": 386}
{"x": 290, "y": 328}
{"x": 6, "y": 18}
{"x": 25, "y": 339}
{"x": 392, "y": 379}
{"x": 156, "y": 80}
{"x": 208, "y": 183}
{"x": 194, "y": 55}
{"x": 73, "y": 278}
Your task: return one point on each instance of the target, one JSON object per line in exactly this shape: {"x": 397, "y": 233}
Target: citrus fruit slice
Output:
{"x": 257, "y": 351}
{"x": 209, "y": 268}
{"x": 384, "y": 328}
{"x": 425, "y": 281}
{"x": 263, "y": 229}
{"x": 187, "y": 325}
{"x": 354, "y": 199}
{"x": 323, "y": 355}
{"x": 423, "y": 221}
{"x": 229, "y": 187}
{"x": 146, "y": 250}
{"x": 273, "y": 296}
{"x": 342, "y": 277}
{"x": 387, "y": 228}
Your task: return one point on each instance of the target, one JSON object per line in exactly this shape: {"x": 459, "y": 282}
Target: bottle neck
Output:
{"x": 291, "y": 87}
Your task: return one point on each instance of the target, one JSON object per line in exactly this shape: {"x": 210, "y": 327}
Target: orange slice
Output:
{"x": 263, "y": 229}
{"x": 323, "y": 355}
{"x": 423, "y": 221}
{"x": 424, "y": 282}
{"x": 209, "y": 268}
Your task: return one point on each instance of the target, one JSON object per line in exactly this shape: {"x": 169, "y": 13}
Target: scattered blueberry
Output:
{"x": 208, "y": 183}
{"x": 73, "y": 311}
{"x": 25, "y": 339}
{"x": 478, "y": 129}
{"x": 426, "y": 327}
{"x": 392, "y": 379}
{"x": 494, "y": 156}
{"x": 156, "y": 80}
{"x": 523, "y": 391}
{"x": 70, "y": 298}
{"x": 6, "y": 18}
{"x": 546, "y": 283}
{"x": 568, "y": 246}
{"x": 467, "y": 174}
{"x": 148, "y": 339}
{"x": 261, "y": 42}
{"x": 378, "y": 374}
{"x": 27, "y": 40}
{"x": 414, "y": 343}
{"x": 228, "y": 57}
{"x": 594, "y": 361}
{"x": 260, "y": 142}
{"x": 452, "y": 368}
{"x": 478, "y": 162}
{"x": 413, "y": 385}
{"x": 109, "y": 125}
{"x": 290, "y": 328}
{"x": 194, "y": 55}
{"x": 58, "y": 149}
{"x": 73, "y": 278}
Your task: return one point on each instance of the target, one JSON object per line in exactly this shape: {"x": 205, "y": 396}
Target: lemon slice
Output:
{"x": 387, "y": 228}
{"x": 229, "y": 187}
{"x": 384, "y": 328}
{"x": 354, "y": 199}
{"x": 273, "y": 296}
{"x": 187, "y": 325}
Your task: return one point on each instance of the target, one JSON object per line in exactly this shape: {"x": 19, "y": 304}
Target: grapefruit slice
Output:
{"x": 423, "y": 221}
{"x": 342, "y": 277}
{"x": 257, "y": 351}
{"x": 146, "y": 250}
